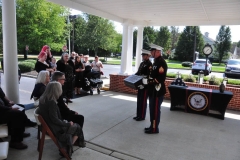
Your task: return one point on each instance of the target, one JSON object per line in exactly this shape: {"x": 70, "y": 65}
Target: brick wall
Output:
{"x": 117, "y": 85}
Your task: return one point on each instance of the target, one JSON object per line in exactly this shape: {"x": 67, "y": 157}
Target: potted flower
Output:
{"x": 189, "y": 78}
{"x": 212, "y": 79}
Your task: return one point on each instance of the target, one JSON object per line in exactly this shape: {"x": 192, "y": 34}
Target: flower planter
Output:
{"x": 211, "y": 82}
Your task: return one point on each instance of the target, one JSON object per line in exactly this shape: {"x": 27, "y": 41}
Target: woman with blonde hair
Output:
{"x": 67, "y": 133}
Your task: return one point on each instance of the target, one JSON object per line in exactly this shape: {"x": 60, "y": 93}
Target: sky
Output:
{"x": 212, "y": 30}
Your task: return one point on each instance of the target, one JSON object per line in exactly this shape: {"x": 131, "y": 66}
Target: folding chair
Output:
{"x": 39, "y": 128}
{"x": 46, "y": 130}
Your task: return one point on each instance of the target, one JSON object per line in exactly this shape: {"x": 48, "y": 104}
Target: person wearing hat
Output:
{"x": 142, "y": 96}
{"x": 156, "y": 88}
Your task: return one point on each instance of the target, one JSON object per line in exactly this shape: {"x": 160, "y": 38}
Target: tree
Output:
{"x": 174, "y": 36}
{"x": 135, "y": 32}
{"x": 163, "y": 38}
{"x": 1, "y": 34}
{"x": 99, "y": 32}
{"x": 238, "y": 44}
{"x": 223, "y": 42}
{"x": 151, "y": 34}
{"x": 40, "y": 23}
{"x": 185, "y": 45}
{"x": 80, "y": 26}
{"x": 146, "y": 43}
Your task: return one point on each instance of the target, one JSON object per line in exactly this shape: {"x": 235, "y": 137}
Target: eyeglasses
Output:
{"x": 62, "y": 79}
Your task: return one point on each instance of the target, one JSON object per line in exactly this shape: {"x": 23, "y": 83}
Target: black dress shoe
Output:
{"x": 69, "y": 101}
{"x": 26, "y": 135}
{"x": 30, "y": 124}
{"x": 150, "y": 131}
{"x": 91, "y": 92}
{"x": 140, "y": 119}
{"x": 135, "y": 117}
{"x": 145, "y": 129}
{"x": 18, "y": 145}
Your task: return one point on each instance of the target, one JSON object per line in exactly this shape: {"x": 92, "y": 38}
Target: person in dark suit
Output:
{"x": 67, "y": 133}
{"x": 79, "y": 69}
{"x": 66, "y": 66}
{"x": 66, "y": 113}
{"x": 142, "y": 95}
{"x": 156, "y": 86}
{"x": 16, "y": 121}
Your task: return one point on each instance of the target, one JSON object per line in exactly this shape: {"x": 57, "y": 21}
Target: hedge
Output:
{"x": 31, "y": 61}
{"x": 26, "y": 66}
{"x": 187, "y": 64}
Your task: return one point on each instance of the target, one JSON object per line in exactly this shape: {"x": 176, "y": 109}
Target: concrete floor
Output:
{"x": 111, "y": 133}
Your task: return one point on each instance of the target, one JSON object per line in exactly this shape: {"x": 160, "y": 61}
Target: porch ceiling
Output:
{"x": 161, "y": 12}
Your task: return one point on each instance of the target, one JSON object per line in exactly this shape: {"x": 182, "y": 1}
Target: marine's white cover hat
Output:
{"x": 155, "y": 47}
{"x": 145, "y": 52}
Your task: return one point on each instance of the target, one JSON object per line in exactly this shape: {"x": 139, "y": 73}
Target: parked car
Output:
{"x": 232, "y": 68}
{"x": 199, "y": 65}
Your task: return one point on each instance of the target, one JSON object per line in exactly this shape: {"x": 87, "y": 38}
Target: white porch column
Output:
{"x": 129, "y": 70}
{"x": 123, "y": 67}
{"x": 139, "y": 47}
{"x": 10, "y": 49}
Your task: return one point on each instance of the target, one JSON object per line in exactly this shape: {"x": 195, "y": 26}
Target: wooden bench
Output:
{"x": 3, "y": 131}
{"x": 4, "y": 150}
{"x": 3, "y": 145}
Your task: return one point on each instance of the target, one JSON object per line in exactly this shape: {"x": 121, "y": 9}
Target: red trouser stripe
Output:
{"x": 144, "y": 103}
{"x": 156, "y": 115}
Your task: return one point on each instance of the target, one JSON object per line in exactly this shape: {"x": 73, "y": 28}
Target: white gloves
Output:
{"x": 140, "y": 86}
{"x": 144, "y": 81}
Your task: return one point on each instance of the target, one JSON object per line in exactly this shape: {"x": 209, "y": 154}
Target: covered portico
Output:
{"x": 131, "y": 14}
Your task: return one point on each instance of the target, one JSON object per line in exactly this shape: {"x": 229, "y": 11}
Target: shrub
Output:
{"x": 216, "y": 82}
{"x": 26, "y": 66}
{"x": 103, "y": 60}
{"x": 31, "y": 61}
{"x": 189, "y": 78}
{"x": 233, "y": 81}
{"x": 187, "y": 64}
{"x": 171, "y": 75}
{"x": 212, "y": 78}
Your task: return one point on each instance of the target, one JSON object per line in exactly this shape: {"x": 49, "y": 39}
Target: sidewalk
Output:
{"x": 111, "y": 133}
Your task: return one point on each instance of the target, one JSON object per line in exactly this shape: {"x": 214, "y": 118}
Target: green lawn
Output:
{"x": 177, "y": 66}
{"x": 117, "y": 61}
{"x": 218, "y": 69}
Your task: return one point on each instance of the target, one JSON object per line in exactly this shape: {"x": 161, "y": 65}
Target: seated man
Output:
{"x": 66, "y": 113}
{"x": 16, "y": 120}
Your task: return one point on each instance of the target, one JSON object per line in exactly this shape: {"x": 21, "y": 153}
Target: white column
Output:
{"x": 129, "y": 70}
{"x": 139, "y": 47}
{"x": 123, "y": 67}
{"x": 10, "y": 49}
